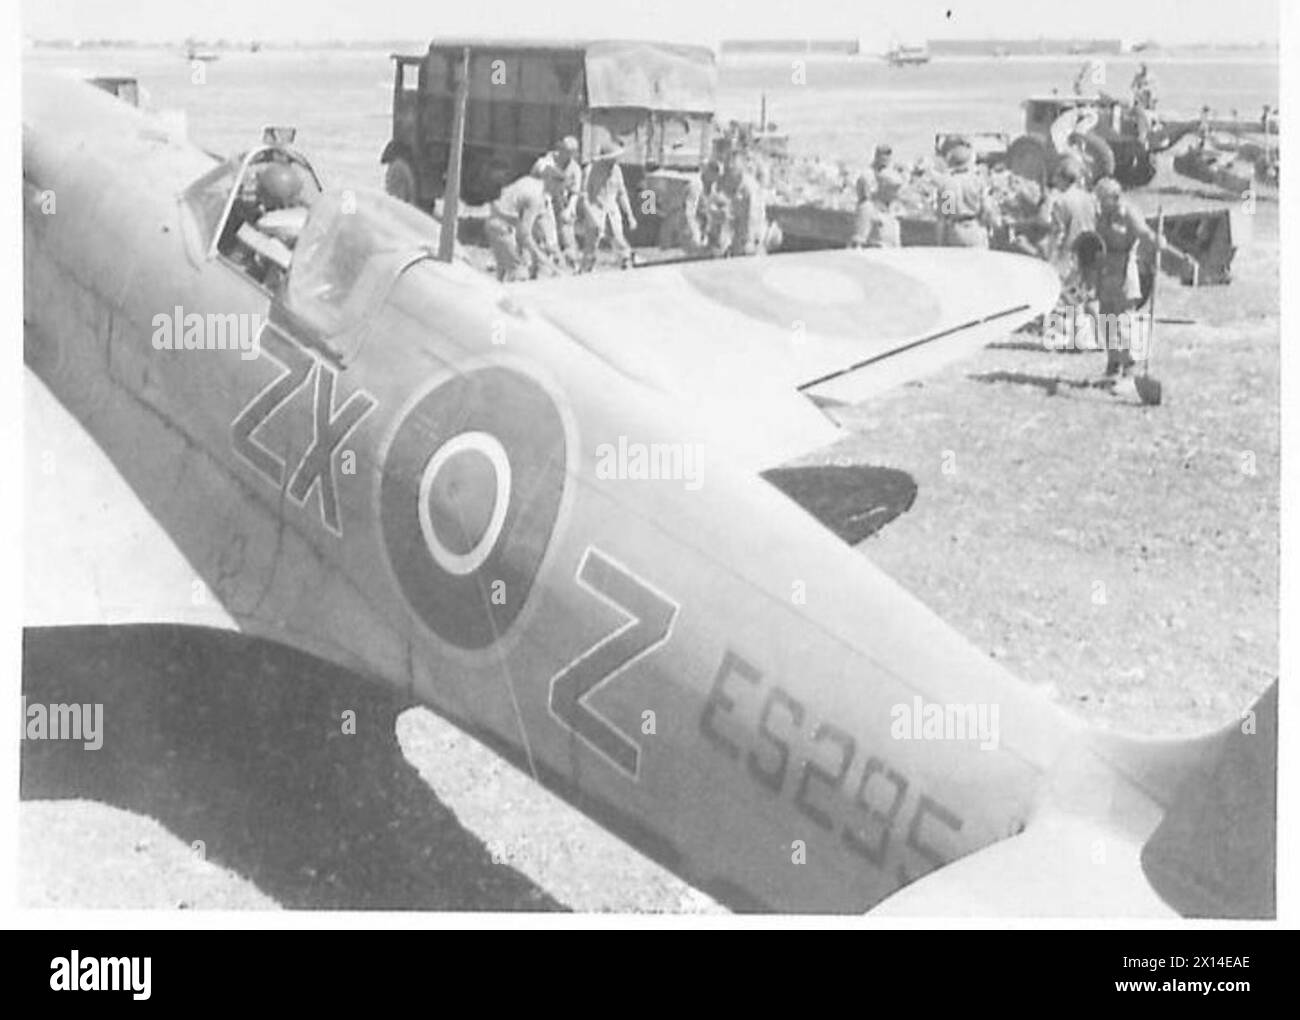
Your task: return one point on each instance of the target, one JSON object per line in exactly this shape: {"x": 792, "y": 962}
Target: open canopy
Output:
{"x": 353, "y": 245}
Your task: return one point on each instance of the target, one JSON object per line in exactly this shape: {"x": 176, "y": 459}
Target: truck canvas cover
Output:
{"x": 654, "y": 76}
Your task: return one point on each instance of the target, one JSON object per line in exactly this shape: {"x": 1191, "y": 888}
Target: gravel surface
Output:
{"x": 1127, "y": 556}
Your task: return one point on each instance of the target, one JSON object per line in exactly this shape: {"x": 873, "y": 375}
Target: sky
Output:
{"x": 1167, "y": 21}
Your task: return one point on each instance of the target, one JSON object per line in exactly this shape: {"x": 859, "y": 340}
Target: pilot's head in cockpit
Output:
{"x": 278, "y": 186}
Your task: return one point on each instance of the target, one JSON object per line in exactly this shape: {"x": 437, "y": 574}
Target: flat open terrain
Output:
{"x": 1124, "y": 557}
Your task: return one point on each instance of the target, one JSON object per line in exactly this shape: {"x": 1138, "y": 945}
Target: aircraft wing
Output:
{"x": 94, "y": 554}
{"x": 746, "y": 342}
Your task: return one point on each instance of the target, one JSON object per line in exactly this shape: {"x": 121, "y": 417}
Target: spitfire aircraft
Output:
{"x": 541, "y": 509}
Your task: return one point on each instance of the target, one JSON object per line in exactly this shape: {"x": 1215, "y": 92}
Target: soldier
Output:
{"x": 1073, "y": 212}
{"x": 881, "y": 160}
{"x": 717, "y": 210}
{"x": 563, "y": 178}
{"x": 1071, "y": 215}
{"x": 681, "y": 224}
{"x": 511, "y": 227}
{"x": 1119, "y": 289}
{"x": 546, "y": 230}
{"x": 748, "y": 208}
{"x": 1092, "y": 72}
{"x": 267, "y": 187}
{"x": 269, "y": 200}
{"x": 877, "y": 224}
{"x": 1144, "y": 88}
{"x": 1203, "y": 125}
{"x": 602, "y": 205}
{"x": 965, "y": 208}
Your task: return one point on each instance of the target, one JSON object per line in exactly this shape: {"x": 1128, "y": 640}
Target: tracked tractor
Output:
{"x": 1112, "y": 138}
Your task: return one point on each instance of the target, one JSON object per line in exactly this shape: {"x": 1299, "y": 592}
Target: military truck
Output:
{"x": 653, "y": 100}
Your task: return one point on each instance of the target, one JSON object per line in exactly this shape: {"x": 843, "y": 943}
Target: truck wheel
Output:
{"x": 1136, "y": 172}
{"x": 479, "y": 192}
{"x": 1098, "y": 156}
{"x": 481, "y": 180}
{"x": 1029, "y": 157}
{"x": 1145, "y": 170}
{"x": 399, "y": 180}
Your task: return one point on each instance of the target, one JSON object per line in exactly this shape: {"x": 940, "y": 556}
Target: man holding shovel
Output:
{"x": 1119, "y": 289}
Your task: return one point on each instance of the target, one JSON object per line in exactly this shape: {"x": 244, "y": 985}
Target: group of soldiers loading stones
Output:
{"x": 555, "y": 218}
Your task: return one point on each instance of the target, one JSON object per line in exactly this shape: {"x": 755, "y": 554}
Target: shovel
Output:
{"x": 1148, "y": 386}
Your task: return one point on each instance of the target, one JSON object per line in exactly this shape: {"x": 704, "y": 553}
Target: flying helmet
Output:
{"x": 278, "y": 184}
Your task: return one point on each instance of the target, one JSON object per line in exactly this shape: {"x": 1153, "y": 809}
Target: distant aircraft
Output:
{"x": 450, "y": 486}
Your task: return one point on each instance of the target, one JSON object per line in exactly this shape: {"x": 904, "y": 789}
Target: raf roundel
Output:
{"x": 470, "y": 494}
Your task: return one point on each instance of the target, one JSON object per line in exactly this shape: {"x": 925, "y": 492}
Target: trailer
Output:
{"x": 1207, "y": 236}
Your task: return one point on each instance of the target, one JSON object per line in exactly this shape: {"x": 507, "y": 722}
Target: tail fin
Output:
{"x": 1133, "y": 827}
{"x": 1215, "y": 852}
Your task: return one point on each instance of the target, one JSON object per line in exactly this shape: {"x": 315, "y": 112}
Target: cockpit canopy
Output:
{"x": 355, "y": 243}
{"x": 327, "y": 259}
{"x": 213, "y": 197}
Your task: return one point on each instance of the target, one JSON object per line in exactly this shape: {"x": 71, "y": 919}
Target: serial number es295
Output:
{"x": 790, "y": 756}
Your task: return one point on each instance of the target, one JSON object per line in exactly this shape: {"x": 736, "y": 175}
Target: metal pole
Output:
{"x": 451, "y": 194}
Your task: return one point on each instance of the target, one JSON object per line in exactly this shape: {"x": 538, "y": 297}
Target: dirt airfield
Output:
{"x": 1123, "y": 557}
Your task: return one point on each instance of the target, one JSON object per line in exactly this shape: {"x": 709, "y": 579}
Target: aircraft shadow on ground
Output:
{"x": 852, "y": 500}
{"x": 1050, "y": 384}
{"x": 1034, "y": 346}
{"x": 239, "y": 742}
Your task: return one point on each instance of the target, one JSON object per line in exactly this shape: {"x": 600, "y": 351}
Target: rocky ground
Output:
{"x": 1125, "y": 555}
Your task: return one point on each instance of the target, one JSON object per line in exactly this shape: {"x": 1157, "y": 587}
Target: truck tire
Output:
{"x": 1029, "y": 157}
{"x": 399, "y": 180}
{"x": 1098, "y": 156}
{"x": 481, "y": 179}
{"x": 1135, "y": 171}
{"x": 1144, "y": 169}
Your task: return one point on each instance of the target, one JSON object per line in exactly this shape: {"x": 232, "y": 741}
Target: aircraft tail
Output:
{"x": 1215, "y": 852}
{"x": 1133, "y": 827}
